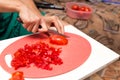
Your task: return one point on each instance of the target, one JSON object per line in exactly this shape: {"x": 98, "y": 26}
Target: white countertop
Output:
{"x": 100, "y": 57}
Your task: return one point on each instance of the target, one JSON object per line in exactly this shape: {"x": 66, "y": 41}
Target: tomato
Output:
{"x": 87, "y": 9}
{"x": 84, "y": 8}
{"x": 58, "y": 39}
{"x": 75, "y": 7}
{"x": 18, "y": 75}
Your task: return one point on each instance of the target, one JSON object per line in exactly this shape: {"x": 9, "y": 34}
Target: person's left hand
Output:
{"x": 51, "y": 21}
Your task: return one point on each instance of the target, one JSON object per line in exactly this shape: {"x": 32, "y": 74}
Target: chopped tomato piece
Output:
{"x": 40, "y": 54}
{"x": 18, "y": 75}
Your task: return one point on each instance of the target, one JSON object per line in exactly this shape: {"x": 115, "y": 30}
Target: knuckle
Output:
{"x": 55, "y": 17}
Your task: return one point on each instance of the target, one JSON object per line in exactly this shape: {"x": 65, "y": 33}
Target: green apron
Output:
{"x": 10, "y": 27}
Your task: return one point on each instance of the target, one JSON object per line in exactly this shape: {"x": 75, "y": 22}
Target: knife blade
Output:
{"x": 52, "y": 31}
{"x": 47, "y": 5}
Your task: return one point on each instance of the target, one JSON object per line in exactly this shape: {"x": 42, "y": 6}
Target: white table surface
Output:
{"x": 100, "y": 57}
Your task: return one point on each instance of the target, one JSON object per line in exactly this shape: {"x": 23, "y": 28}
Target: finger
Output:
{"x": 26, "y": 25}
{"x": 59, "y": 26}
{"x": 30, "y": 27}
{"x": 35, "y": 28}
{"x": 44, "y": 26}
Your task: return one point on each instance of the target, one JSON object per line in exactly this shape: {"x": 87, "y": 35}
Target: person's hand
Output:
{"x": 51, "y": 21}
{"x": 32, "y": 20}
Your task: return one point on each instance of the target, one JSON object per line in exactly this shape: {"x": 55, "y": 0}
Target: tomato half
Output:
{"x": 58, "y": 40}
{"x": 18, "y": 75}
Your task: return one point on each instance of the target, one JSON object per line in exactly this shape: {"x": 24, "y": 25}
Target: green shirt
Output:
{"x": 10, "y": 27}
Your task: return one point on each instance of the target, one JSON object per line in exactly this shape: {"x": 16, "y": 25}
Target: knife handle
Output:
{"x": 19, "y": 20}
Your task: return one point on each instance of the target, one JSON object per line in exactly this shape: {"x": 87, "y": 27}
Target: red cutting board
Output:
{"x": 74, "y": 54}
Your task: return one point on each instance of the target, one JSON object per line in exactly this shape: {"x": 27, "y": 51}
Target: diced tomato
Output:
{"x": 58, "y": 39}
{"x": 16, "y": 54}
{"x": 18, "y": 75}
{"x": 40, "y": 54}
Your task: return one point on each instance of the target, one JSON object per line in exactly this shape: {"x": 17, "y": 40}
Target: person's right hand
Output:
{"x": 30, "y": 19}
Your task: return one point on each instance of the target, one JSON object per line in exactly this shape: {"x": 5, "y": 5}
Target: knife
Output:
{"x": 47, "y": 5}
{"x": 48, "y": 33}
